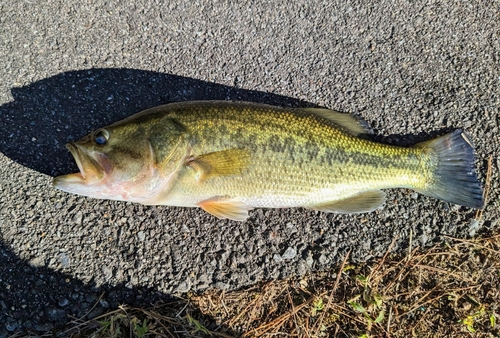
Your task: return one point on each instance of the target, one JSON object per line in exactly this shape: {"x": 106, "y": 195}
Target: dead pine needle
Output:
{"x": 441, "y": 291}
{"x": 489, "y": 172}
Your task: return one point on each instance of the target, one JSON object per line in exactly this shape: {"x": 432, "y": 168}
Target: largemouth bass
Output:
{"x": 229, "y": 157}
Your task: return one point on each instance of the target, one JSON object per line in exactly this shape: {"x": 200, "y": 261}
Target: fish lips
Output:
{"x": 94, "y": 167}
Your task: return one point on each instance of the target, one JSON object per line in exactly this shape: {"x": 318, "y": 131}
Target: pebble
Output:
{"x": 309, "y": 261}
{"x": 64, "y": 260}
{"x": 78, "y": 217}
{"x": 184, "y": 287}
{"x": 55, "y": 315}
{"x": 11, "y": 324}
{"x": 63, "y": 302}
{"x": 141, "y": 236}
{"x": 474, "y": 226}
{"x": 43, "y": 327}
{"x": 90, "y": 298}
{"x": 290, "y": 253}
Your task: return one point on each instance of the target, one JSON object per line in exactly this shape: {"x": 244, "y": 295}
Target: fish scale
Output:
{"x": 228, "y": 157}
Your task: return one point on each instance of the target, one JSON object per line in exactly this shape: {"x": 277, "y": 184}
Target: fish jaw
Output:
{"x": 94, "y": 171}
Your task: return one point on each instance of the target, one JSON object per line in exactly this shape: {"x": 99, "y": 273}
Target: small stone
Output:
{"x": 309, "y": 261}
{"x": 37, "y": 262}
{"x": 43, "y": 327}
{"x": 277, "y": 258}
{"x": 474, "y": 227}
{"x": 222, "y": 286}
{"x": 184, "y": 287}
{"x": 64, "y": 260}
{"x": 63, "y": 302}
{"x": 323, "y": 259}
{"x": 301, "y": 268}
{"x": 78, "y": 217}
{"x": 11, "y": 324}
{"x": 55, "y": 315}
{"x": 290, "y": 253}
{"x": 90, "y": 298}
{"x": 103, "y": 303}
{"x": 108, "y": 272}
{"x": 141, "y": 236}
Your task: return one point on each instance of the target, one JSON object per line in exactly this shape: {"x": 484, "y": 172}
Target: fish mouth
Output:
{"x": 94, "y": 167}
{"x": 73, "y": 148}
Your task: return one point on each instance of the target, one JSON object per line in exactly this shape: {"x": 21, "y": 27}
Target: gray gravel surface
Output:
{"x": 412, "y": 69}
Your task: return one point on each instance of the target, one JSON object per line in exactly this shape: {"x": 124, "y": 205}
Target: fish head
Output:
{"x": 123, "y": 161}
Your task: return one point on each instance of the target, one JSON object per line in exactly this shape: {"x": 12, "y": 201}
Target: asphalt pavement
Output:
{"x": 412, "y": 69}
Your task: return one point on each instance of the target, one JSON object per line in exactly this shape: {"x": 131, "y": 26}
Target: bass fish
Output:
{"x": 229, "y": 157}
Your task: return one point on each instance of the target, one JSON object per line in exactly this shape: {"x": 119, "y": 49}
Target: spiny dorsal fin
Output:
{"x": 220, "y": 163}
{"x": 364, "y": 202}
{"x": 352, "y": 124}
{"x": 222, "y": 207}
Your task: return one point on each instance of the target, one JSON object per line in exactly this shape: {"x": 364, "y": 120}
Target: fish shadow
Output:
{"x": 37, "y": 299}
{"x": 47, "y": 114}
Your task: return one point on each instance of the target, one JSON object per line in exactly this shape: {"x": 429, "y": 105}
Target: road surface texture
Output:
{"x": 413, "y": 69}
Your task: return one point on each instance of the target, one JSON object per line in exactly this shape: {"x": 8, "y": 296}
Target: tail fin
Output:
{"x": 455, "y": 179}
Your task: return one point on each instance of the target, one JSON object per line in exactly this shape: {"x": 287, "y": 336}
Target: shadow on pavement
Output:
{"x": 47, "y": 114}
{"x": 39, "y": 300}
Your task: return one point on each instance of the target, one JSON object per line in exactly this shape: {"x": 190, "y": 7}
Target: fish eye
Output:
{"x": 101, "y": 136}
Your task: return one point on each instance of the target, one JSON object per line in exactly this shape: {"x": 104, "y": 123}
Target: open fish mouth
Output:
{"x": 73, "y": 148}
{"x": 93, "y": 167}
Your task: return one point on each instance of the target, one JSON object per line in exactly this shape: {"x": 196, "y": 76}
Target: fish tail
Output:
{"x": 454, "y": 178}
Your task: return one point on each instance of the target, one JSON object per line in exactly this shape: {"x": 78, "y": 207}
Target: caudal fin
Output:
{"x": 454, "y": 179}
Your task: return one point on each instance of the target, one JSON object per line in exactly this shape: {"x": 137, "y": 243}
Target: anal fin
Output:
{"x": 363, "y": 202}
{"x": 223, "y": 207}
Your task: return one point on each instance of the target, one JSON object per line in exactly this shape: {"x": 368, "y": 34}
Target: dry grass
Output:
{"x": 450, "y": 290}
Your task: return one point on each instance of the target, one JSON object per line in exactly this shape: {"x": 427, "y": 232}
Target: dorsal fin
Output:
{"x": 352, "y": 124}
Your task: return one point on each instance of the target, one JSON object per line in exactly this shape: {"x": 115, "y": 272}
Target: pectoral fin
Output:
{"x": 220, "y": 163}
{"x": 222, "y": 208}
{"x": 364, "y": 202}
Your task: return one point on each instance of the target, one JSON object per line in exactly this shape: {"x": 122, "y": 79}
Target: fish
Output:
{"x": 228, "y": 157}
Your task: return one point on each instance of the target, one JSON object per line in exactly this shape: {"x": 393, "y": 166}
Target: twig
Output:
{"x": 489, "y": 171}
{"x": 409, "y": 247}
{"x": 473, "y": 243}
{"x": 389, "y": 319}
{"x": 385, "y": 256}
{"x": 235, "y": 319}
{"x": 293, "y": 311}
{"x": 328, "y": 304}
{"x": 441, "y": 271}
{"x": 221, "y": 298}
{"x": 182, "y": 310}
